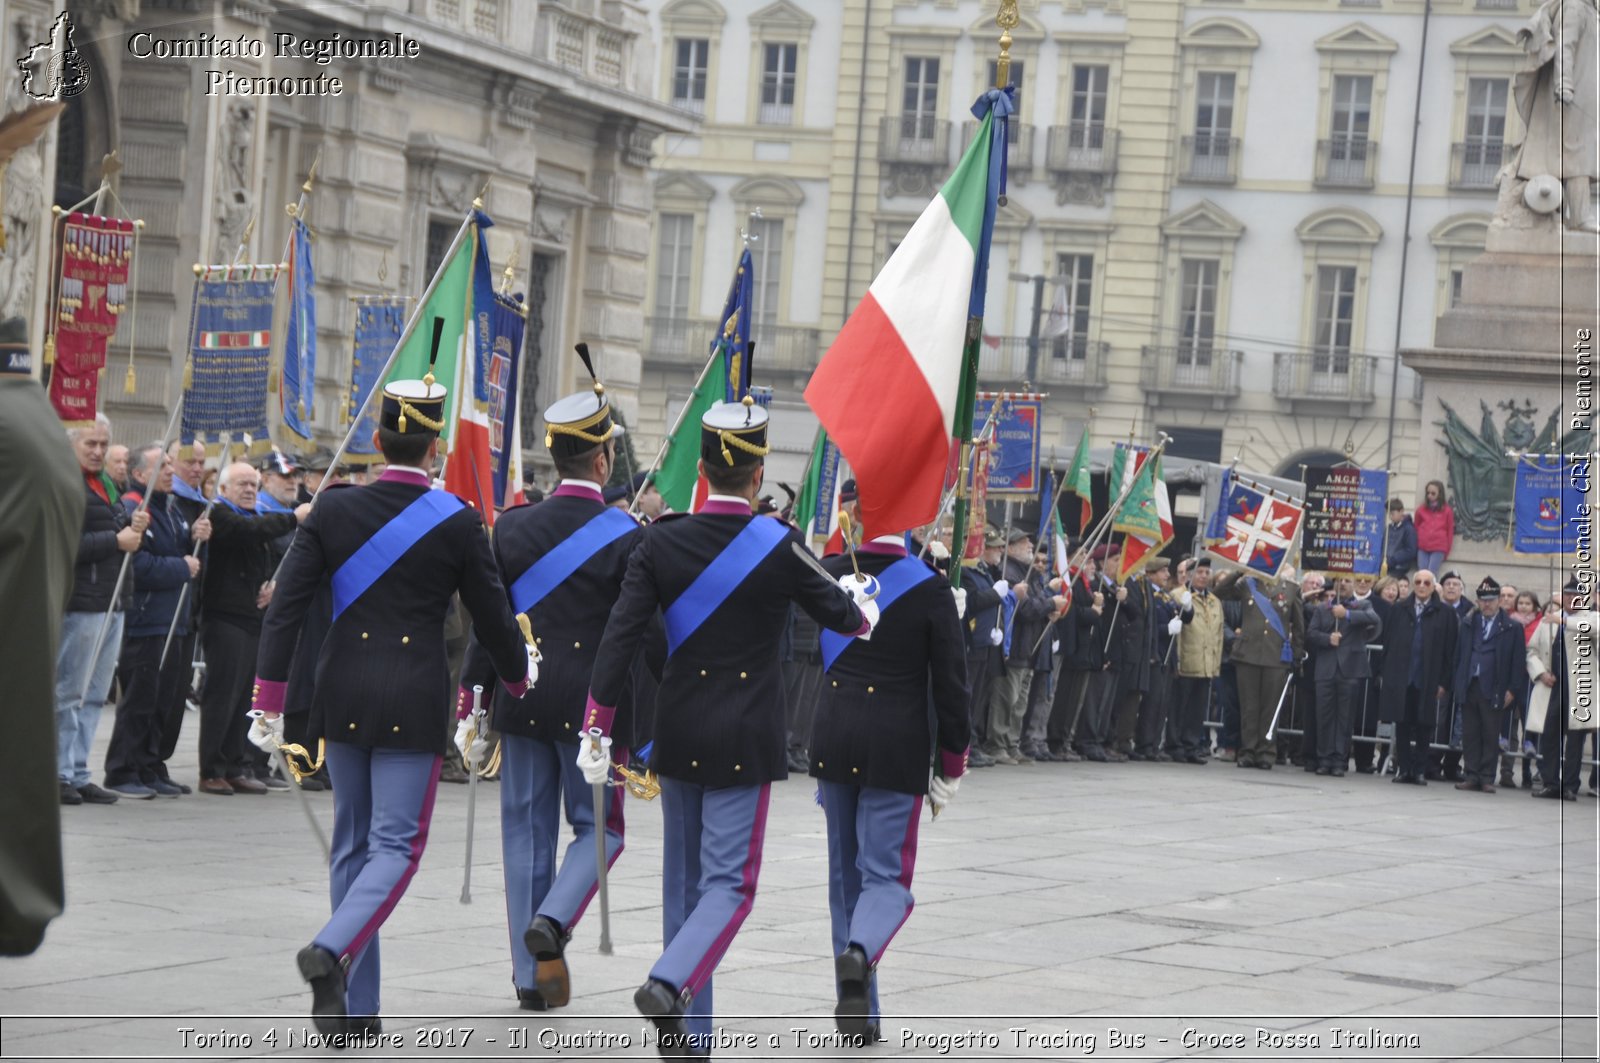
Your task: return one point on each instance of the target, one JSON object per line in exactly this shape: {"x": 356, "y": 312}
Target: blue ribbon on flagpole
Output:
{"x": 1001, "y": 103}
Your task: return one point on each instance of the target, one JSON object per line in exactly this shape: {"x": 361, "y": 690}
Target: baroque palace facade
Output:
{"x": 547, "y": 109}
{"x": 1220, "y": 189}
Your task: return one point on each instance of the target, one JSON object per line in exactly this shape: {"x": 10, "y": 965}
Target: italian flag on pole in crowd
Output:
{"x": 460, "y": 296}
{"x": 1145, "y": 518}
{"x": 887, "y": 390}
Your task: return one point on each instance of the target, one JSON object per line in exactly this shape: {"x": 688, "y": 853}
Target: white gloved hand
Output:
{"x": 266, "y": 734}
{"x": 534, "y": 657}
{"x": 474, "y": 751}
{"x": 595, "y": 763}
{"x": 1055, "y": 645}
{"x": 996, "y": 637}
{"x": 1184, "y": 597}
{"x": 960, "y": 595}
{"x": 942, "y": 791}
{"x": 1174, "y": 625}
{"x": 1001, "y": 587}
{"x": 870, "y": 612}
{"x": 860, "y": 591}
{"x": 938, "y": 551}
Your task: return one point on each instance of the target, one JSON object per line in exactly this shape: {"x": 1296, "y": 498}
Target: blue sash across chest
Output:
{"x": 1274, "y": 621}
{"x": 727, "y": 570}
{"x": 378, "y": 554}
{"x": 894, "y": 581}
{"x": 553, "y": 569}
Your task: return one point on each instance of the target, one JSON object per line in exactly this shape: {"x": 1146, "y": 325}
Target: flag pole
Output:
{"x": 1007, "y": 18}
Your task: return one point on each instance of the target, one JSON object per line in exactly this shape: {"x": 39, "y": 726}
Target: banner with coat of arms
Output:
{"x": 1254, "y": 527}
{"x": 379, "y": 322}
{"x": 91, "y": 291}
{"x": 1547, "y": 503}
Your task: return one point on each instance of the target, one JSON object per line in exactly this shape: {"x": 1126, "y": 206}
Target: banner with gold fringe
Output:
{"x": 91, "y": 292}
{"x": 230, "y": 340}
{"x": 379, "y": 322}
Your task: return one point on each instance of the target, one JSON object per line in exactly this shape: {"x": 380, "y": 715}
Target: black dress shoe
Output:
{"x": 70, "y": 794}
{"x": 1416, "y": 780}
{"x": 530, "y": 1000}
{"x": 94, "y": 795}
{"x": 872, "y": 1036}
{"x": 1194, "y": 758}
{"x": 1323, "y": 771}
{"x": 657, "y": 1002}
{"x": 1264, "y": 765}
{"x": 1337, "y": 773}
{"x": 548, "y": 944}
{"x": 320, "y": 968}
{"x": 1400, "y": 778}
{"x": 364, "y": 1026}
{"x": 851, "y": 972}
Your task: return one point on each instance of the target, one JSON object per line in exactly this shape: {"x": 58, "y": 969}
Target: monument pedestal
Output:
{"x": 1512, "y": 369}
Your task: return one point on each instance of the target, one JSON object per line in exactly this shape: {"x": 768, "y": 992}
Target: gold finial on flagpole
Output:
{"x": 1008, "y": 20}
{"x": 510, "y": 273}
{"x": 311, "y": 174}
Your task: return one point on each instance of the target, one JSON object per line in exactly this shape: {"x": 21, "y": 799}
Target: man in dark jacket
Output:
{"x": 1491, "y": 648}
{"x": 1132, "y": 619}
{"x": 1008, "y": 698}
{"x": 1402, "y": 541}
{"x": 1339, "y": 631}
{"x": 1080, "y": 657}
{"x": 82, "y": 683}
{"x": 1419, "y": 658}
{"x": 237, "y": 589}
{"x": 152, "y": 694}
{"x": 984, "y": 639}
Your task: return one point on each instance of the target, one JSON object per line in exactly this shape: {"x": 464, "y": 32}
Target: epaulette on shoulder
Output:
{"x": 670, "y": 516}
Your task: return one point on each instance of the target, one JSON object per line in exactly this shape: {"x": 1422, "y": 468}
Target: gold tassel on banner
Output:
{"x": 50, "y": 349}
{"x": 130, "y": 383}
{"x": 188, "y": 373}
{"x": 274, "y": 381}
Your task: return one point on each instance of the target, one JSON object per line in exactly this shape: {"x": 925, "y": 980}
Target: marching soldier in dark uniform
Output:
{"x": 870, "y": 749}
{"x": 562, "y": 563}
{"x": 394, "y": 552}
{"x": 1271, "y": 637}
{"x": 723, "y": 579}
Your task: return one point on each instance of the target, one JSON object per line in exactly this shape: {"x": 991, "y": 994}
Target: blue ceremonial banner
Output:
{"x": 299, "y": 390}
{"x": 1014, "y": 454}
{"x": 733, "y": 330}
{"x": 1047, "y": 495}
{"x": 506, "y": 325}
{"x": 378, "y": 328}
{"x": 1548, "y": 512}
{"x": 230, "y": 349}
{"x": 1345, "y": 520}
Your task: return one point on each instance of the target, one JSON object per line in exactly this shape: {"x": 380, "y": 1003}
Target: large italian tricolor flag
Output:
{"x": 886, "y": 390}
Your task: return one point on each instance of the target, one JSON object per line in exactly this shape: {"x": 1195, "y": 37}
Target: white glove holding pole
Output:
{"x": 938, "y": 551}
{"x": 1174, "y": 625}
{"x": 942, "y": 791}
{"x": 996, "y": 636}
{"x": 1001, "y": 587}
{"x": 594, "y": 760}
{"x": 960, "y": 595}
{"x": 534, "y": 657}
{"x": 1184, "y": 597}
{"x": 265, "y": 734}
{"x": 870, "y": 613}
{"x": 472, "y": 743}
{"x": 860, "y": 591}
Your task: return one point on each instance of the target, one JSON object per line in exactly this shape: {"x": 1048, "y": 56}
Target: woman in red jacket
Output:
{"x": 1436, "y": 528}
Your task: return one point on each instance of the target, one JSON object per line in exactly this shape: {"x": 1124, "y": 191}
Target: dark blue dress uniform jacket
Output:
{"x": 873, "y": 725}
{"x": 567, "y": 622}
{"x": 721, "y": 711}
{"x": 382, "y": 678}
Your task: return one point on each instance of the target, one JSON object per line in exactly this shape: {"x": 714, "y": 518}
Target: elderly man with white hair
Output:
{"x": 237, "y": 588}
{"x": 83, "y": 677}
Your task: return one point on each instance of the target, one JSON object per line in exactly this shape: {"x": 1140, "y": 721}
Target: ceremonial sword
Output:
{"x": 472, "y": 791}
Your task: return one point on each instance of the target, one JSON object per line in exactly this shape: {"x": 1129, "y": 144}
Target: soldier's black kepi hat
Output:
{"x": 1488, "y": 589}
{"x": 734, "y": 433}
{"x": 413, "y": 407}
{"x": 580, "y": 422}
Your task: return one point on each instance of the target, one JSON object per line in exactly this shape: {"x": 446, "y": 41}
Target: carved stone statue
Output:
{"x": 235, "y": 185}
{"x": 1558, "y": 96}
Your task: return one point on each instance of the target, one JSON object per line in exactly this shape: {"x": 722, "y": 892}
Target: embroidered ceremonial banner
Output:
{"x": 978, "y": 486}
{"x": 1547, "y": 504}
{"x": 378, "y": 328}
{"x": 1345, "y": 519}
{"x": 1014, "y": 456}
{"x": 91, "y": 292}
{"x": 230, "y": 343}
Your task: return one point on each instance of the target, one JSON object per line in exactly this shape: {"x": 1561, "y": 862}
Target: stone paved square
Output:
{"x": 1061, "y": 900}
